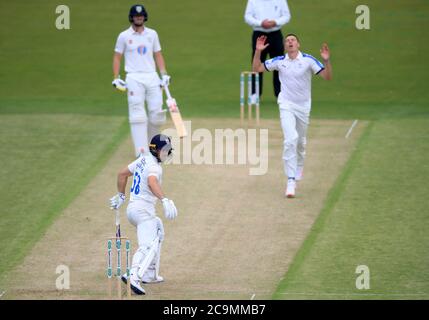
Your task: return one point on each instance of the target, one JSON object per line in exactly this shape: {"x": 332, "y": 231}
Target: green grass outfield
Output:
{"x": 60, "y": 120}
{"x": 46, "y": 161}
{"x": 377, "y": 216}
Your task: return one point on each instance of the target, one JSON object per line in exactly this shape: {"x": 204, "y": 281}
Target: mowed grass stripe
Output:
{"x": 46, "y": 161}
{"x": 376, "y": 215}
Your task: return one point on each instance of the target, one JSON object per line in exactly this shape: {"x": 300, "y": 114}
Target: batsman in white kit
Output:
{"x": 295, "y": 72}
{"x": 141, "y": 48}
{"x": 144, "y": 192}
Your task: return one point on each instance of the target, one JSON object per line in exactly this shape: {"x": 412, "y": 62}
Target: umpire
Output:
{"x": 267, "y": 17}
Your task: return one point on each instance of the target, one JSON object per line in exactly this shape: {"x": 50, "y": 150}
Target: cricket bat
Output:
{"x": 175, "y": 114}
{"x": 118, "y": 224}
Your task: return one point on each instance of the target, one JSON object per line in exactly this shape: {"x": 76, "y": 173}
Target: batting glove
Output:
{"x": 119, "y": 84}
{"x": 117, "y": 201}
{"x": 170, "y": 210}
{"x": 165, "y": 80}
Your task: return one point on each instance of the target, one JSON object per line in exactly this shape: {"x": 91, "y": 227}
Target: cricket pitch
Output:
{"x": 234, "y": 237}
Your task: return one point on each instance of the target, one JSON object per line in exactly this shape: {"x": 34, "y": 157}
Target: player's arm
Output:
{"x": 117, "y": 82}
{"x": 118, "y": 200}
{"x": 170, "y": 210}
{"x": 250, "y": 16}
{"x": 285, "y": 15}
{"x": 122, "y": 179}
{"x": 120, "y": 47}
{"x": 257, "y": 65}
{"x": 160, "y": 62}
{"x": 325, "y": 54}
{"x": 154, "y": 186}
{"x": 116, "y": 64}
{"x": 327, "y": 72}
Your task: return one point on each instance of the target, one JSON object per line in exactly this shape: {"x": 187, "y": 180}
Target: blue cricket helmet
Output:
{"x": 160, "y": 142}
{"x": 137, "y": 10}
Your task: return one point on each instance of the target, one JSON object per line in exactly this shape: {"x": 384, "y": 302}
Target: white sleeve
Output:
{"x": 120, "y": 44}
{"x": 249, "y": 15}
{"x": 316, "y": 65}
{"x": 132, "y": 165}
{"x": 154, "y": 170}
{"x": 285, "y": 14}
{"x": 272, "y": 64}
{"x": 156, "y": 43}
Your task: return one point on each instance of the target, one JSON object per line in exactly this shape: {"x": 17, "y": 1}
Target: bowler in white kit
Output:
{"x": 295, "y": 72}
{"x": 144, "y": 193}
{"x": 141, "y": 49}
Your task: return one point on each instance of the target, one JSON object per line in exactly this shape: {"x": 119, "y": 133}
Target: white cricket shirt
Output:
{"x": 142, "y": 168}
{"x": 138, "y": 49}
{"x": 295, "y": 77}
{"x": 259, "y": 10}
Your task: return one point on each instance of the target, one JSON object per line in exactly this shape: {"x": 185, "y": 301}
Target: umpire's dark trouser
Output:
{"x": 275, "y": 49}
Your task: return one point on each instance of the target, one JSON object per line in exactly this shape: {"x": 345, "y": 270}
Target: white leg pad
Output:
{"x": 148, "y": 257}
{"x": 161, "y": 238}
{"x": 158, "y": 118}
{"x": 139, "y": 136}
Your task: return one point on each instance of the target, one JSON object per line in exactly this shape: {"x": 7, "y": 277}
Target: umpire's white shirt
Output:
{"x": 138, "y": 49}
{"x": 259, "y": 10}
{"x": 295, "y": 78}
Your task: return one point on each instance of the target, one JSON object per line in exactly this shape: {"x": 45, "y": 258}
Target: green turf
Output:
{"x": 377, "y": 73}
{"x": 376, "y": 215}
{"x": 380, "y": 75}
{"x": 46, "y": 160}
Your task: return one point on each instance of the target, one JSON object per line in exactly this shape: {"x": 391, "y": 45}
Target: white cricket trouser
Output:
{"x": 144, "y": 88}
{"x": 294, "y": 124}
{"x": 141, "y": 214}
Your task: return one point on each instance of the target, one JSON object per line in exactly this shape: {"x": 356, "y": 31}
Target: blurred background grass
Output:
{"x": 377, "y": 72}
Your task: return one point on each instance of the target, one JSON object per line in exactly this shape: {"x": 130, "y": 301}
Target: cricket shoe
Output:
{"x": 290, "y": 189}
{"x": 149, "y": 280}
{"x": 299, "y": 173}
{"x": 134, "y": 284}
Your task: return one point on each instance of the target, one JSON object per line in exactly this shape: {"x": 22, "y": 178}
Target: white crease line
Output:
{"x": 253, "y": 296}
{"x": 1, "y": 295}
{"x": 351, "y": 129}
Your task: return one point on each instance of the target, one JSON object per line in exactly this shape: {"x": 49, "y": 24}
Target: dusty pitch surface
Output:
{"x": 233, "y": 239}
